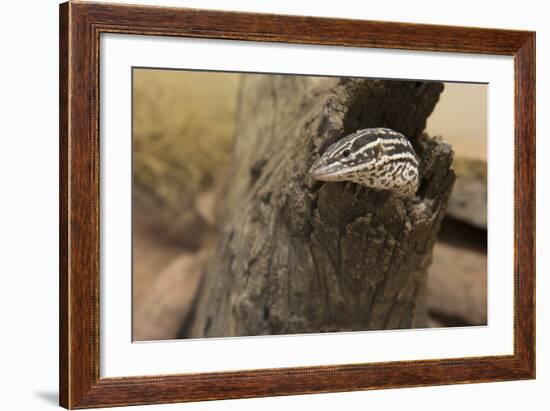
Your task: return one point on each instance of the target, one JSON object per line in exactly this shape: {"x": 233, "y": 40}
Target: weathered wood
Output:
{"x": 299, "y": 256}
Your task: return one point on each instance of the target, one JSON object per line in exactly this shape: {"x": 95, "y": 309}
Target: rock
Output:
{"x": 457, "y": 284}
{"x": 468, "y": 202}
{"x": 165, "y": 305}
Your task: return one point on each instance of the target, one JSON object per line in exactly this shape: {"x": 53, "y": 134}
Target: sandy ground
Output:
{"x": 165, "y": 282}
{"x": 150, "y": 257}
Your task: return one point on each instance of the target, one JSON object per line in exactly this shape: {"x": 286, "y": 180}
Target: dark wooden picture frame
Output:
{"x": 80, "y": 27}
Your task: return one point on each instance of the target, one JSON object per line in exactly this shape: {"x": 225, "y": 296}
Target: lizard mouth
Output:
{"x": 322, "y": 172}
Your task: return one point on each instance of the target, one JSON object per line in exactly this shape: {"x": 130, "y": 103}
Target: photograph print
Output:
{"x": 273, "y": 204}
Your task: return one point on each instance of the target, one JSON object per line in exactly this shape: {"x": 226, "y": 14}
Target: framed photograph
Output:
{"x": 258, "y": 205}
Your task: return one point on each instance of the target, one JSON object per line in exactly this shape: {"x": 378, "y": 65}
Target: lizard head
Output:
{"x": 375, "y": 157}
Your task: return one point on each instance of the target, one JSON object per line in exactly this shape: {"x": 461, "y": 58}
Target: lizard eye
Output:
{"x": 346, "y": 153}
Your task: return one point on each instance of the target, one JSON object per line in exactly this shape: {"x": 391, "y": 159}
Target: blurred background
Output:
{"x": 182, "y": 140}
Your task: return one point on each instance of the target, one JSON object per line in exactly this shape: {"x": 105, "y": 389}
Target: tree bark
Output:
{"x": 300, "y": 256}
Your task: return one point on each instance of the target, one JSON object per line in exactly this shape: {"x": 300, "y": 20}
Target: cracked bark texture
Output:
{"x": 299, "y": 256}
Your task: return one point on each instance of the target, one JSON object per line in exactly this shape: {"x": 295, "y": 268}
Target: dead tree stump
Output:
{"x": 300, "y": 256}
